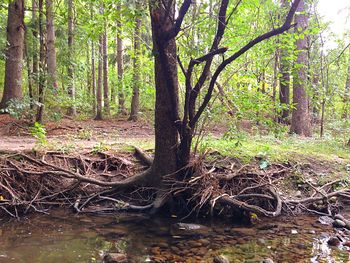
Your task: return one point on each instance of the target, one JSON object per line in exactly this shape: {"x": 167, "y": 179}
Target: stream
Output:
{"x": 65, "y": 237}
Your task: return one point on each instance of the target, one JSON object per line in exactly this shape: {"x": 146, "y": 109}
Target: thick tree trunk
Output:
{"x": 301, "y": 123}
{"x": 14, "y": 53}
{"x": 42, "y": 79}
{"x": 135, "y": 100}
{"x": 71, "y": 87}
{"x": 166, "y": 79}
{"x": 106, "y": 105}
{"x": 99, "y": 115}
{"x": 50, "y": 45}
{"x": 120, "y": 65}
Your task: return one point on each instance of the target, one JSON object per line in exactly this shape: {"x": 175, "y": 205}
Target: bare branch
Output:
{"x": 286, "y": 26}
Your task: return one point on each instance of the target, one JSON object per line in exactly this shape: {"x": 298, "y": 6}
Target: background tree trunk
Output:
{"x": 99, "y": 115}
{"x": 40, "y": 112}
{"x": 35, "y": 65}
{"x": 50, "y": 45}
{"x": 347, "y": 96}
{"x": 301, "y": 123}
{"x": 105, "y": 73}
{"x": 14, "y": 53}
{"x": 135, "y": 101}
{"x": 120, "y": 65}
{"x": 71, "y": 87}
{"x": 284, "y": 79}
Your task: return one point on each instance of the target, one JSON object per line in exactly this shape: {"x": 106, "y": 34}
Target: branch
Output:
{"x": 286, "y": 26}
{"x": 172, "y": 33}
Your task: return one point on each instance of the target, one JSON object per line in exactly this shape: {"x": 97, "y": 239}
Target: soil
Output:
{"x": 15, "y": 135}
{"x": 81, "y": 134}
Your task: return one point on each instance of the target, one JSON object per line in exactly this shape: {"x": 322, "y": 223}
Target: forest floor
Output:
{"x": 101, "y": 150}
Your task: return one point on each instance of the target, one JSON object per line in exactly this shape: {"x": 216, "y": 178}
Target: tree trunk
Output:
{"x": 29, "y": 70}
{"x": 166, "y": 80}
{"x": 284, "y": 79}
{"x": 14, "y": 53}
{"x": 40, "y": 112}
{"x": 136, "y": 69}
{"x": 346, "y": 101}
{"x": 93, "y": 67}
{"x": 50, "y": 45}
{"x": 93, "y": 73}
{"x": 71, "y": 87}
{"x": 301, "y": 124}
{"x": 99, "y": 115}
{"x": 120, "y": 65}
{"x": 35, "y": 66}
{"x": 105, "y": 73}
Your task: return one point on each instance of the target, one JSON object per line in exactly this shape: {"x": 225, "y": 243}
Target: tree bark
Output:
{"x": 105, "y": 73}
{"x": 71, "y": 88}
{"x": 35, "y": 66}
{"x": 42, "y": 79}
{"x": 166, "y": 80}
{"x": 284, "y": 94}
{"x": 99, "y": 115}
{"x": 135, "y": 100}
{"x": 301, "y": 123}
{"x": 120, "y": 66}
{"x": 14, "y": 53}
{"x": 50, "y": 45}
{"x": 346, "y": 100}
{"x": 93, "y": 67}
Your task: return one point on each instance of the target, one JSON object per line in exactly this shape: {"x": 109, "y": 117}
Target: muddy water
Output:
{"x": 62, "y": 237}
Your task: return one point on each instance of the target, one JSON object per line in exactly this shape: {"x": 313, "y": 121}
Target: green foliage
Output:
{"x": 38, "y": 131}
{"x": 20, "y": 109}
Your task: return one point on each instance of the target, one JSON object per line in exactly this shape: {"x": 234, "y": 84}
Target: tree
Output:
{"x": 50, "y": 45}
{"x": 99, "y": 98}
{"x": 173, "y": 135}
{"x": 71, "y": 87}
{"x": 136, "y": 67}
{"x": 120, "y": 65}
{"x": 14, "y": 53}
{"x": 284, "y": 78}
{"x": 105, "y": 72}
{"x": 42, "y": 78}
{"x": 301, "y": 123}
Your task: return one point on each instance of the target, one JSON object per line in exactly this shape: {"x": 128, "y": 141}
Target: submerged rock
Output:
{"x": 115, "y": 258}
{"x": 267, "y": 260}
{"x": 333, "y": 242}
{"x": 339, "y": 223}
{"x": 184, "y": 229}
{"x": 221, "y": 259}
{"x": 325, "y": 220}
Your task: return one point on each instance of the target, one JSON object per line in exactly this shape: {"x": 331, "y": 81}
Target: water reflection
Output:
{"x": 62, "y": 237}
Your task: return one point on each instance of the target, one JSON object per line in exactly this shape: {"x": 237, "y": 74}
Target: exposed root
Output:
{"x": 103, "y": 182}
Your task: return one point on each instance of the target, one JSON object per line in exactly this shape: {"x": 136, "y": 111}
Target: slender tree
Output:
{"x": 346, "y": 98}
{"x": 50, "y": 46}
{"x": 120, "y": 64}
{"x": 71, "y": 87}
{"x": 105, "y": 72}
{"x": 14, "y": 53}
{"x": 42, "y": 69}
{"x": 135, "y": 100}
{"x": 99, "y": 98}
{"x": 284, "y": 78}
{"x": 301, "y": 123}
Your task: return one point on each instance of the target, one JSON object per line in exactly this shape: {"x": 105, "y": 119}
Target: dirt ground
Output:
{"x": 15, "y": 135}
